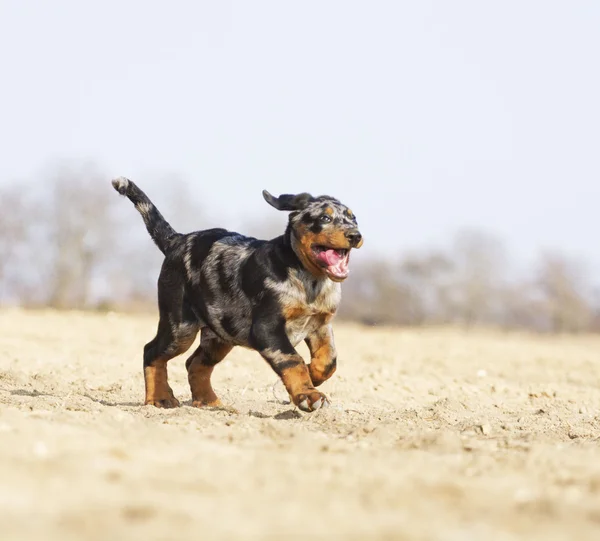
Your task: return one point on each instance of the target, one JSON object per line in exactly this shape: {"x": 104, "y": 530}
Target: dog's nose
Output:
{"x": 354, "y": 237}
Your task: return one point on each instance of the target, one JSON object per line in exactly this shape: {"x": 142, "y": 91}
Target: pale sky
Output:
{"x": 423, "y": 116}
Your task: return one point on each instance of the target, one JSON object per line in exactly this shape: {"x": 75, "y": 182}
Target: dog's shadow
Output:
{"x": 111, "y": 403}
{"x": 32, "y": 394}
{"x": 36, "y": 394}
{"x": 287, "y": 415}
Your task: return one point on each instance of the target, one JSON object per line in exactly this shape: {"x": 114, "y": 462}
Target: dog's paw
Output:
{"x": 206, "y": 403}
{"x": 311, "y": 401}
{"x": 165, "y": 403}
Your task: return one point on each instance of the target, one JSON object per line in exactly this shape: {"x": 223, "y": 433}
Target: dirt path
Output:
{"x": 436, "y": 434}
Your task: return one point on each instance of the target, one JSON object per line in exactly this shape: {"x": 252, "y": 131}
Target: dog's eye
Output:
{"x": 325, "y": 218}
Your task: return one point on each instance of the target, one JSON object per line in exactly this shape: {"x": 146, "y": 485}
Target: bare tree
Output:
{"x": 69, "y": 241}
{"x": 595, "y": 305}
{"x": 14, "y": 216}
{"x": 464, "y": 284}
{"x": 566, "y": 294}
{"x": 374, "y": 296}
{"x": 78, "y": 234}
{"x": 427, "y": 279}
{"x": 480, "y": 270}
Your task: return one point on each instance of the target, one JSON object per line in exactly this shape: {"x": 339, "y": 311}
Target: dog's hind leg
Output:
{"x": 171, "y": 340}
{"x": 212, "y": 350}
{"x": 177, "y": 330}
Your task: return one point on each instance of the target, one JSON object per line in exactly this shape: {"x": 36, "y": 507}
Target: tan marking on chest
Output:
{"x": 305, "y": 319}
{"x": 299, "y": 328}
{"x": 299, "y": 295}
{"x": 304, "y": 308}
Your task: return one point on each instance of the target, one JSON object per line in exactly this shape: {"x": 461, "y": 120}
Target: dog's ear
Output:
{"x": 288, "y": 201}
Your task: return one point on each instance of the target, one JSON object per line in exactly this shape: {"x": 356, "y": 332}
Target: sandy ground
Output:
{"x": 433, "y": 434}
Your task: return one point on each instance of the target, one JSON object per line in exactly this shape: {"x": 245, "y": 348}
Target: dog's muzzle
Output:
{"x": 354, "y": 238}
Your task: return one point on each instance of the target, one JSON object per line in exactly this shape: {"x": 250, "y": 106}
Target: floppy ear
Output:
{"x": 288, "y": 201}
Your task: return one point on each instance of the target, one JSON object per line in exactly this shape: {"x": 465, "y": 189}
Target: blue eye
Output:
{"x": 325, "y": 218}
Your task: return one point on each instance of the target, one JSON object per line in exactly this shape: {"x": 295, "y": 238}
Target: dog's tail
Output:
{"x": 161, "y": 232}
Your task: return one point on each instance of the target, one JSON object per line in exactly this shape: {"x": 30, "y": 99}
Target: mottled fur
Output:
{"x": 239, "y": 291}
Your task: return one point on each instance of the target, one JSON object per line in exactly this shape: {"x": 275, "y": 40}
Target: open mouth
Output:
{"x": 333, "y": 260}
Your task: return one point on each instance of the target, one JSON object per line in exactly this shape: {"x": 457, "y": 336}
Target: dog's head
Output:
{"x": 322, "y": 230}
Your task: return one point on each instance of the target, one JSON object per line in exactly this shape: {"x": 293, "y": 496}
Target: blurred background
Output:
{"x": 464, "y": 135}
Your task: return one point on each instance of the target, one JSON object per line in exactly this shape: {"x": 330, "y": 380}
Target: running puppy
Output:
{"x": 240, "y": 291}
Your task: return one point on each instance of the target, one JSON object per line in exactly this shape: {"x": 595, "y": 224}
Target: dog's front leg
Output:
{"x": 278, "y": 351}
{"x": 323, "y": 356}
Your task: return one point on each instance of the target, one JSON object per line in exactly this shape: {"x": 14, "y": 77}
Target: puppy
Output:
{"x": 240, "y": 291}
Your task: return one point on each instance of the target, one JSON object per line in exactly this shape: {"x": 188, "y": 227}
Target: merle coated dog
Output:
{"x": 240, "y": 291}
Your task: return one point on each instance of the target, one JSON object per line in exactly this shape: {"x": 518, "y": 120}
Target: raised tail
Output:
{"x": 161, "y": 232}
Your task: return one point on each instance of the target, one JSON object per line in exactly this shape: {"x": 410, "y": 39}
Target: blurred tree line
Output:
{"x": 72, "y": 242}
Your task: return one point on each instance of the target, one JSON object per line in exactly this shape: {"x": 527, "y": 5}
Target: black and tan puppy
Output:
{"x": 240, "y": 291}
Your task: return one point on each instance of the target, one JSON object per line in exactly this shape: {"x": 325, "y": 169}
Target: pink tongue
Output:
{"x": 331, "y": 257}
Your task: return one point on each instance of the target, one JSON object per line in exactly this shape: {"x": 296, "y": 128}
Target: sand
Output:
{"x": 432, "y": 434}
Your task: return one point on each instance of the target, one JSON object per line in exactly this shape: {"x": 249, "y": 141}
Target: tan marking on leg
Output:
{"x": 299, "y": 386}
{"x": 323, "y": 355}
{"x": 294, "y": 374}
{"x": 296, "y": 379}
{"x": 322, "y": 365}
{"x": 200, "y": 367}
{"x": 202, "y": 391}
{"x": 158, "y": 391}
